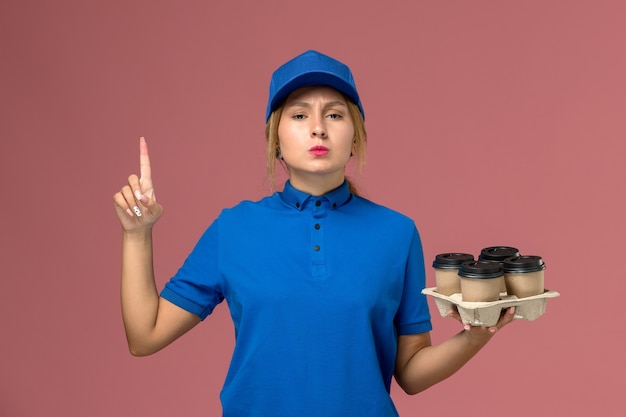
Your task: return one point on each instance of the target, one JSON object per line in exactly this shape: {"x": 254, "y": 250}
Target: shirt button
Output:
{"x": 318, "y": 203}
{"x": 316, "y": 248}
{"x": 317, "y": 226}
{"x": 334, "y": 205}
{"x": 298, "y": 205}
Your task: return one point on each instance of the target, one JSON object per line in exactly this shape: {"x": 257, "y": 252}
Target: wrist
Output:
{"x": 477, "y": 336}
{"x": 137, "y": 236}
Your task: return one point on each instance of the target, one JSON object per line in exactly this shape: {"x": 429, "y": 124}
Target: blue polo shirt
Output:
{"x": 318, "y": 288}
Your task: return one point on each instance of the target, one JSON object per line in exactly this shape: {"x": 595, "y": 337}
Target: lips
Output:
{"x": 319, "y": 150}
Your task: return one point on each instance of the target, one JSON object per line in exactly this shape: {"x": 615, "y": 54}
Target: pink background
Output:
{"x": 490, "y": 123}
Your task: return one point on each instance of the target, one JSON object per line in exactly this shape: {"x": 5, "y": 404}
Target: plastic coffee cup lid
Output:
{"x": 521, "y": 264}
{"x": 481, "y": 269}
{"x": 498, "y": 253}
{"x": 451, "y": 260}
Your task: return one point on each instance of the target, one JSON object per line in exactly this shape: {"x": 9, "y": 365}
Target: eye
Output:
{"x": 334, "y": 116}
{"x": 298, "y": 116}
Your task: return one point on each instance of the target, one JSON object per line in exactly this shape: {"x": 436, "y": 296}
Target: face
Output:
{"x": 316, "y": 136}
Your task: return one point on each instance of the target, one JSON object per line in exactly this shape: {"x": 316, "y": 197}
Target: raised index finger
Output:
{"x": 144, "y": 161}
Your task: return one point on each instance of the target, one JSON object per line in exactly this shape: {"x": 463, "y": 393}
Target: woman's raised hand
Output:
{"x": 135, "y": 204}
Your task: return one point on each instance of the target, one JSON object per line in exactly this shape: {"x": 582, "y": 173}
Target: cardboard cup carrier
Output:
{"x": 480, "y": 300}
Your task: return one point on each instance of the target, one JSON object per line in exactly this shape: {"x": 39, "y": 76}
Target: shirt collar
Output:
{"x": 297, "y": 199}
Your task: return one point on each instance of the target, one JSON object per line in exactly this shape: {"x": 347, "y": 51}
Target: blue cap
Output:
{"x": 311, "y": 68}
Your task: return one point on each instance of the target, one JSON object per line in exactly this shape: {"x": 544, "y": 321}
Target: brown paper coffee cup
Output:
{"x": 481, "y": 280}
{"x": 447, "y": 271}
{"x": 524, "y": 275}
{"x": 498, "y": 254}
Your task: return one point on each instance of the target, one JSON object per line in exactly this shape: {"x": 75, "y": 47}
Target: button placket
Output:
{"x": 320, "y": 210}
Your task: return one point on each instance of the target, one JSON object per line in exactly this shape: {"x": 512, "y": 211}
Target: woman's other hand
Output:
{"x": 135, "y": 204}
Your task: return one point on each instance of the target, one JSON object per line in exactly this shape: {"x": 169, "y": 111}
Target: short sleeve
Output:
{"x": 197, "y": 286}
{"x": 413, "y": 316}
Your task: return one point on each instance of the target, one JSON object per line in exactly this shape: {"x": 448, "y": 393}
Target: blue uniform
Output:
{"x": 319, "y": 288}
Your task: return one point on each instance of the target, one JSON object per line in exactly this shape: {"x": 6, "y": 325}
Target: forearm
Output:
{"x": 432, "y": 364}
{"x": 151, "y": 322}
{"x": 140, "y": 299}
{"x": 420, "y": 365}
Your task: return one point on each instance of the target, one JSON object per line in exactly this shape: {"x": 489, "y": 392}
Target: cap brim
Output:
{"x": 320, "y": 78}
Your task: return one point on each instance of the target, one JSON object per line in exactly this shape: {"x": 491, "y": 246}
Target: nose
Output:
{"x": 319, "y": 131}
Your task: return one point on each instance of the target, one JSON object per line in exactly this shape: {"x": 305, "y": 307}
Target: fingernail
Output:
{"x": 492, "y": 330}
{"x": 143, "y": 199}
{"x": 466, "y": 327}
{"x": 130, "y": 213}
{"x": 138, "y": 195}
{"x": 137, "y": 211}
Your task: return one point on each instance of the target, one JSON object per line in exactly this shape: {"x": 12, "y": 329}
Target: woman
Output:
{"x": 323, "y": 286}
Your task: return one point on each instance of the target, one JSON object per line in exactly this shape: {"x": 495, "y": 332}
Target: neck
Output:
{"x": 316, "y": 185}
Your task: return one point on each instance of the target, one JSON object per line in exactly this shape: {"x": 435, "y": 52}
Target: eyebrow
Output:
{"x": 307, "y": 104}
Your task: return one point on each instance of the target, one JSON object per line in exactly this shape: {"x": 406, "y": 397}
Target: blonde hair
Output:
{"x": 271, "y": 134}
